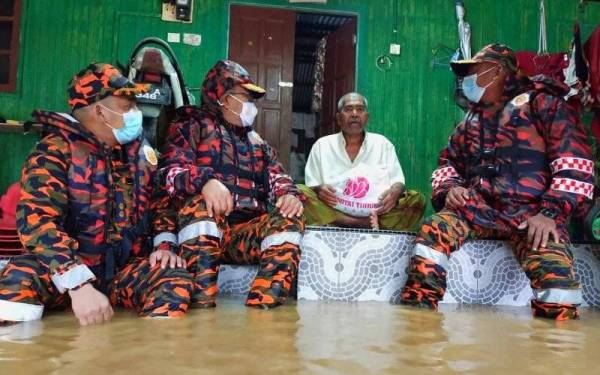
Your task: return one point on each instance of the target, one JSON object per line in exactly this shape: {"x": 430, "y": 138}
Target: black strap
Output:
{"x": 256, "y": 194}
{"x": 116, "y": 254}
{"x": 232, "y": 169}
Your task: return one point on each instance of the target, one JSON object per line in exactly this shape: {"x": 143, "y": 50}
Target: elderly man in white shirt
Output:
{"x": 334, "y": 155}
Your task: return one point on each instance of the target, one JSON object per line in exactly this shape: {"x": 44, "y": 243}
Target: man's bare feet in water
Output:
{"x": 369, "y": 222}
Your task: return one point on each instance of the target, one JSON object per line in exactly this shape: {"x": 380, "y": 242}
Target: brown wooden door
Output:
{"x": 262, "y": 41}
{"x": 338, "y": 79}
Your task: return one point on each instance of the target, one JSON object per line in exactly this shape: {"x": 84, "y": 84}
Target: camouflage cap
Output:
{"x": 498, "y": 53}
{"x": 98, "y": 81}
{"x": 224, "y": 76}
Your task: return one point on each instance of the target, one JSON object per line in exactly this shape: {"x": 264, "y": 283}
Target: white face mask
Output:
{"x": 248, "y": 113}
{"x": 471, "y": 88}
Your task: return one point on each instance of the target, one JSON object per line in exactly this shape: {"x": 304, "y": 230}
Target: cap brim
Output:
{"x": 137, "y": 88}
{"x": 461, "y": 67}
{"x": 255, "y": 91}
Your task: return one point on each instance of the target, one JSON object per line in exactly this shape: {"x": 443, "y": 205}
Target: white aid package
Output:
{"x": 358, "y": 189}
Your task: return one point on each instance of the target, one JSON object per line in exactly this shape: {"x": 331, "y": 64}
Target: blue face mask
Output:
{"x": 132, "y": 125}
{"x": 471, "y": 89}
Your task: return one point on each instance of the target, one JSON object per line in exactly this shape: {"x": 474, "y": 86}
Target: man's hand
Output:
{"x": 326, "y": 194}
{"x": 217, "y": 197}
{"x": 457, "y": 197}
{"x": 539, "y": 229}
{"x": 289, "y": 206}
{"x": 389, "y": 198}
{"x": 90, "y": 306}
{"x": 166, "y": 257}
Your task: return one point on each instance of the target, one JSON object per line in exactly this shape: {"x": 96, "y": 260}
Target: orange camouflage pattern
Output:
{"x": 84, "y": 204}
{"x": 445, "y": 232}
{"x": 518, "y": 156}
{"x": 98, "y": 81}
{"x": 240, "y": 244}
{"x": 151, "y": 291}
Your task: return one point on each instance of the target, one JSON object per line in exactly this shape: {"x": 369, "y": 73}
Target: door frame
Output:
{"x": 303, "y": 7}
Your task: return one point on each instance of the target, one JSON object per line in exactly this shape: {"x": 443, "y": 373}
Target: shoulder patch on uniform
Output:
{"x": 520, "y": 100}
{"x": 150, "y": 155}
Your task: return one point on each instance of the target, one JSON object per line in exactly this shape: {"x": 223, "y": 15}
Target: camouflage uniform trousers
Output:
{"x": 153, "y": 292}
{"x": 549, "y": 269}
{"x": 269, "y": 240}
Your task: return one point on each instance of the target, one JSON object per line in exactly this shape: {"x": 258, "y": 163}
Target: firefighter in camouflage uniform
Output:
{"x": 517, "y": 168}
{"x": 234, "y": 202}
{"x": 85, "y": 213}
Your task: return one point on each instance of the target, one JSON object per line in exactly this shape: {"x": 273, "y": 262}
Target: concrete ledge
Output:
{"x": 355, "y": 265}
{"x": 363, "y": 265}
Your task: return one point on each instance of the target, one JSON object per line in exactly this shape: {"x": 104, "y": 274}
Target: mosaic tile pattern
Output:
{"x": 236, "y": 279}
{"x": 587, "y": 272}
{"x": 351, "y": 265}
{"x": 499, "y": 278}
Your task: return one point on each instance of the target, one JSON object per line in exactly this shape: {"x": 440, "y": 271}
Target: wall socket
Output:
{"x": 394, "y": 49}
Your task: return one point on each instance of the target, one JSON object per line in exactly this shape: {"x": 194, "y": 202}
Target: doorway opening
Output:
{"x": 306, "y": 62}
{"x": 316, "y": 73}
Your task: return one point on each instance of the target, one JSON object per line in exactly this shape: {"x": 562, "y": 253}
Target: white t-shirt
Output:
{"x": 328, "y": 158}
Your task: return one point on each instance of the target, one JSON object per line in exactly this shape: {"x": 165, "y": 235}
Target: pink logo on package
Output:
{"x": 356, "y": 187}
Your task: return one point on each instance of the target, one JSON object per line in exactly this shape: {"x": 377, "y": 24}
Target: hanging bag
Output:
{"x": 542, "y": 62}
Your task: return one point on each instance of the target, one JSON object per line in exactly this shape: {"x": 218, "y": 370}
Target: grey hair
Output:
{"x": 351, "y": 96}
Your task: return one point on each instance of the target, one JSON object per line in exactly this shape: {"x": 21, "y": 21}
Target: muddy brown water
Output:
{"x": 308, "y": 338}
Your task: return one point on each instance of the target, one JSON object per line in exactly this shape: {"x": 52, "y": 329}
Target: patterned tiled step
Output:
{"x": 236, "y": 279}
{"x": 357, "y": 265}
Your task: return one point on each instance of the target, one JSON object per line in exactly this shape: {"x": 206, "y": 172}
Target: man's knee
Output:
{"x": 176, "y": 281}
{"x": 283, "y": 230}
{"x": 431, "y": 225}
{"x": 279, "y": 223}
{"x": 18, "y": 302}
{"x": 550, "y": 270}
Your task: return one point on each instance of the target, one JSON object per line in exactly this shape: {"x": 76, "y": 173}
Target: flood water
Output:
{"x": 308, "y": 338}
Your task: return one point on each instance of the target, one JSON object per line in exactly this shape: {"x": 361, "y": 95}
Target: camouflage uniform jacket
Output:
{"x": 526, "y": 153}
{"x": 83, "y": 205}
{"x": 202, "y": 146}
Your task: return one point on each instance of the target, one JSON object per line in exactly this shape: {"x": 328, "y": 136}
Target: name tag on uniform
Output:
{"x": 150, "y": 155}
{"x": 520, "y": 100}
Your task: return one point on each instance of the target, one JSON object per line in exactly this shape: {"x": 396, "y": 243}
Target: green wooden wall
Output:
{"x": 411, "y": 103}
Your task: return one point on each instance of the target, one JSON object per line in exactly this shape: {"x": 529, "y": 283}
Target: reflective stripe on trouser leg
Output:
{"x": 550, "y": 270}
{"x": 561, "y": 296}
{"x": 435, "y": 256}
{"x": 426, "y": 283}
{"x": 20, "y": 312}
{"x": 555, "y": 303}
{"x": 280, "y": 238}
{"x": 197, "y": 229}
{"x": 164, "y": 237}
{"x": 26, "y": 290}
{"x": 278, "y": 267}
{"x": 200, "y": 244}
